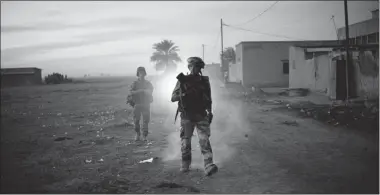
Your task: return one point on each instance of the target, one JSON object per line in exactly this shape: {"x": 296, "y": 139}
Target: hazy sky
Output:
{"x": 93, "y": 37}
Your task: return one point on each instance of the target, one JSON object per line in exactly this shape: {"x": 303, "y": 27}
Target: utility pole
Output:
{"x": 221, "y": 37}
{"x": 347, "y": 47}
{"x": 221, "y": 54}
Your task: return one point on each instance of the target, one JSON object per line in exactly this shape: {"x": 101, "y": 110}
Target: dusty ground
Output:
{"x": 78, "y": 138}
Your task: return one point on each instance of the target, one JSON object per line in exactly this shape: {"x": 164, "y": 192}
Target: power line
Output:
{"x": 336, "y": 30}
{"x": 274, "y": 35}
{"x": 270, "y": 7}
{"x": 216, "y": 42}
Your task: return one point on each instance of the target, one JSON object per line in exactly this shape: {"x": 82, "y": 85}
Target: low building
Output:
{"x": 213, "y": 70}
{"x": 365, "y": 32}
{"x": 265, "y": 63}
{"x": 323, "y": 69}
{"x": 20, "y": 76}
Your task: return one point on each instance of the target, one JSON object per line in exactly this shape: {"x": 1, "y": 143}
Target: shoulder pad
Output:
{"x": 206, "y": 78}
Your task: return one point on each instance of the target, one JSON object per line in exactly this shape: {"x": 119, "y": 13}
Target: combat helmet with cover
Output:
{"x": 140, "y": 69}
{"x": 196, "y": 61}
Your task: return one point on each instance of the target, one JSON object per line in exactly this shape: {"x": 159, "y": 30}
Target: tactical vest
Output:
{"x": 142, "y": 98}
{"x": 193, "y": 104}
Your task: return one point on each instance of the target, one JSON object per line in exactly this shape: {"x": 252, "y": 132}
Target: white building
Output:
{"x": 266, "y": 63}
{"x": 323, "y": 69}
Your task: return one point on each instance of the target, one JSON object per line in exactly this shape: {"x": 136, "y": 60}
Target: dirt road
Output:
{"x": 78, "y": 138}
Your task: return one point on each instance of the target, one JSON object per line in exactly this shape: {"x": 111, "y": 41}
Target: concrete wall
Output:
{"x": 366, "y": 66}
{"x": 239, "y": 62}
{"x": 300, "y": 72}
{"x": 236, "y": 70}
{"x": 233, "y": 73}
{"x": 20, "y": 80}
{"x": 375, "y": 13}
{"x": 309, "y": 70}
{"x": 332, "y": 80}
{"x": 263, "y": 64}
{"x": 213, "y": 71}
{"x": 20, "y": 76}
{"x": 318, "y": 72}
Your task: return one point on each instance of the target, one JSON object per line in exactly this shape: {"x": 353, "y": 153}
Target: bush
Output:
{"x": 57, "y": 78}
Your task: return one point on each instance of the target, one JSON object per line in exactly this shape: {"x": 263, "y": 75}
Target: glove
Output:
{"x": 210, "y": 116}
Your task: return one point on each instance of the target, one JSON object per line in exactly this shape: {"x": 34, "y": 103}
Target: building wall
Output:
{"x": 298, "y": 69}
{"x": 213, "y": 71}
{"x": 18, "y": 80}
{"x": 262, "y": 64}
{"x": 361, "y": 30}
{"x": 319, "y": 72}
{"x": 375, "y": 13}
{"x": 366, "y": 66}
{"x": 38, "y": 76}
{"x": 233, "y": 73}
{"x": 309, "y": 70}
{"x": 21, "y": 79}
{"x": 239, "y": 63}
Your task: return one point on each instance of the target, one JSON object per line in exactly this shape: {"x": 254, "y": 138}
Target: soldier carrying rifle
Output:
{"x": 140, "y": 98}
{"x": 193, "y": 94}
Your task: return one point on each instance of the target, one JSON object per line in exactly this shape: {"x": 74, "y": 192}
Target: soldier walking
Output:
{"x": 140, "y": 98}
{"x": 193, "y": 94}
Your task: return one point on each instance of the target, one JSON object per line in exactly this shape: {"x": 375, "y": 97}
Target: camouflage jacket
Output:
{"x": 141, "y": 97}
{"x": 197, "y": 98}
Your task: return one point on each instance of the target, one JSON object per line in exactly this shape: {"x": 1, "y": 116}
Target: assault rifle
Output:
{"x": 181, "y": 78}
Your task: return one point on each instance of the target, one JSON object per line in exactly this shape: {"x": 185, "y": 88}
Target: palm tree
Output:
{"x": 165, "y": 56}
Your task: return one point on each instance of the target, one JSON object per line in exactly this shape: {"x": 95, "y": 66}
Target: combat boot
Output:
{"x": 137, "y": 137}
{"x": 185, "y": 167}
{"x": 211, "y": 169}
{"x": 144, "y": 138}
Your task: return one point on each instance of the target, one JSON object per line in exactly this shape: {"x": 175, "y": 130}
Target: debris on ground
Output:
{"x": 128, "y": 124}
{"x": 88, "y": 161}
{"x": 291, "y": 123}
{"x": 257, "y": 90}
{"x": 62, "y": 138}
{"x": 358, "y": 115}
{"x": 274, "y": 101}
{"x": 147, "y": 161}
{"x": 174, "y": 185}
{"x": 295, "y": 92}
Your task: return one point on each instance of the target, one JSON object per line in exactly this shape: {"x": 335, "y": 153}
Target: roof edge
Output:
{"x": 21, "y": 68}
{"x": 306, "y": 41}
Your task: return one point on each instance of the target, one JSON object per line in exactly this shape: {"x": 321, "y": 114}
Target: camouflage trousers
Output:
{"x": 186, "y": 133}
{"x": 144, "y": 111}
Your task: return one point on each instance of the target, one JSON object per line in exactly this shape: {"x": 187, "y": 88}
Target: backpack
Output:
{"x": 193, "y": 103}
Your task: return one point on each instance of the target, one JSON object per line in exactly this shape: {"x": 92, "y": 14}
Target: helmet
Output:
{"x": 196, "y": 61}
{"x": 140, "y": 69}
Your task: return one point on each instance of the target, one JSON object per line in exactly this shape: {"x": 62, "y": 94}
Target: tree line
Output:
{"x": 166, "y": 55}
{"x": 165, "y": 58}
{"x": 57, "y": 78}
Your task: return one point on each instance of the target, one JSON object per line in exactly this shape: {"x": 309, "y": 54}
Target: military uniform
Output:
{"x": 193, "y": 107}
{"x": 142, "y": 103}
